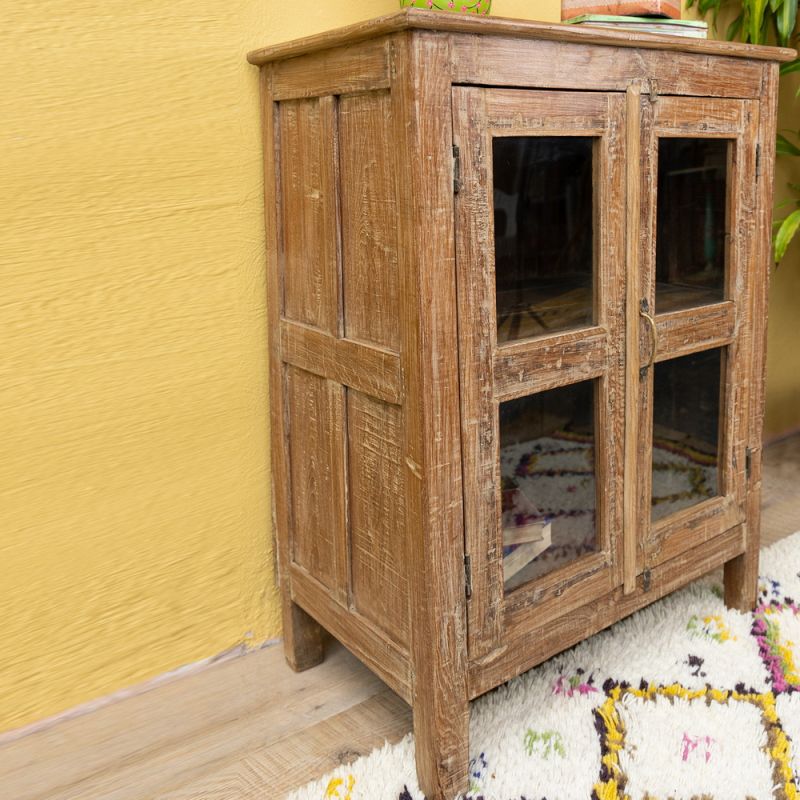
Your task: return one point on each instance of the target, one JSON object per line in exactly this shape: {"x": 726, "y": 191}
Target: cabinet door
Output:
{"x": 689, "y": 328}
{"x": 540, "y": 272}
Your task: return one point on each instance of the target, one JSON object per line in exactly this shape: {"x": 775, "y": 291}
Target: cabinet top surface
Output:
{"x": 421, "y": 19}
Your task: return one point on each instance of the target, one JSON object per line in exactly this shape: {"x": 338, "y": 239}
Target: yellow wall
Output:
{"x": 134, "y": 479}
{"x": 133, "y": 484}
{"x": 783, "y": 344}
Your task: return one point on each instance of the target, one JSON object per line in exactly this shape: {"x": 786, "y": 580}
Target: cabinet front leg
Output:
{"x": 741, "y": 581}
{"x": 302, "y": 638}
{"x": 441, "y": 741}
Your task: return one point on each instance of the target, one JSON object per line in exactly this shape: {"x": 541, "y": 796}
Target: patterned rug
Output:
{"x": 684, "y": 699}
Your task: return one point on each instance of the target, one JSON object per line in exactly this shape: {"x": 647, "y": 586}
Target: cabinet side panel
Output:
{"x": 377, "y": 514}
{"x": 308, "y": 218}
{"x": 315, "y": 411}
{"x": 369, "y": 219}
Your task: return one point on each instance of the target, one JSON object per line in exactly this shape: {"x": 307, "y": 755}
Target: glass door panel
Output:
{"x": 543, "y": 234}
{"x": 690, "y": 314}
{"x": 539, "y": 229}
{"x": 549, "y": 490}
{"x": 691, "y": 224}
{"x": 686, "y": 406}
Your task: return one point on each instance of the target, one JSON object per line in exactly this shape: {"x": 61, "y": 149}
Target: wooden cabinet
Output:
{"x": 517, "y": 301}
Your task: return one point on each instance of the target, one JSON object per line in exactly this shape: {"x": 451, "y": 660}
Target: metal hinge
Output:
{"x": 646, "y": 576}
{"x": 758, "y": 160}
{"x": 748, "y": 462}
{"x": 467, "y": 576}
{"x": 456, "y": 169}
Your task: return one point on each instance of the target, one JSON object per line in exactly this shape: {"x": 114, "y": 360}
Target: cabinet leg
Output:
{"x": 302, "y": 638}
{"x": 741, "y": 581}
{"x": 441, "y": 744}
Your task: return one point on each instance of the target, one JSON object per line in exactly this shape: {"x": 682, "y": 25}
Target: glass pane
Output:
{"x": 686, "y": 403}
{"x": 691, "y": 222}
{"x": 548, "y": 481}
{"x": 542, "y": 234}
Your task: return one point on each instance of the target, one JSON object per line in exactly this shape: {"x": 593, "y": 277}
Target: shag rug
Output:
{"x": 684, "y": 699}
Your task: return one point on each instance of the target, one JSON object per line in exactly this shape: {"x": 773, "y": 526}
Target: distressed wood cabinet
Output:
{"x": 517, "y": 286}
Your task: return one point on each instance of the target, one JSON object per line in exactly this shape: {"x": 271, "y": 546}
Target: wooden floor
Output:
{"x": 249, "y": 728}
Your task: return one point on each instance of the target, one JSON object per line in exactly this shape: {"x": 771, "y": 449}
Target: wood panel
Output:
{"x": 525, "y": 368}
{"x": 698, "y": 117}
{"x": 360, "y": 68}
{"x": 509, "y": 110}
{"x": 681, "y": 333}
{"x": 302, "y": 637}
{"x": 308, "y": 224}
{"x": 387, "y": 659}
{"x": 741, "y": 574}
{"x": 420, "y": 19}
{"x": 477, "y": 336}
{"x": 708, "y": 326}
{"x": 379, "y": 570}
{"x": 527, "y": 646}
{"x": 491, "y": 374}
{"x": 369, "y": 220}
{"x": 315, "y": 414}
{"x": 672, "y": 536}
{"x": 431, "y": 440}
{"x": 371, "y": 370}
{"x": 505, "y": 61}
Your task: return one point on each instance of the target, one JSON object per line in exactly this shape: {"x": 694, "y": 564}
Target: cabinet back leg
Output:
{"x": 302, "y": 638}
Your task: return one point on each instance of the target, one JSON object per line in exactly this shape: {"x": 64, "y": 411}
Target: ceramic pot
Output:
{"x": 457, "y": 6}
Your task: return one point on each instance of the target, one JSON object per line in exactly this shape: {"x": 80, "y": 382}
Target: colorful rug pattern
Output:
{"x": 684, "y": 700}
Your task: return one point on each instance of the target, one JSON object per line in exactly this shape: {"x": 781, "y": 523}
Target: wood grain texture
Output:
{"x": 432, "y": 445}
{"x": 316, "y": 431}
{"x": 724, "y": 325}
{"x": 681, "y": 333}
{"x": 523, "y": 369}
{"x": 527, "y": 646}
{"x": 506, "y": 61}
{"x": 387, "y": 659}
{"x": 741, "y": 574}
{"x": 369, "y": 220}
{"x": 307, "y": 154}
{"x": 371, "y": 370}
{"x": 522, "y": 29}
{"x": 298, "y": 758}
{"x": 302, "y": 637}
{"x": 360, "y": 68}
{"x": 184, "y": 731}
{"x": 378, "y": 564}
{"x": 636, "y": 114}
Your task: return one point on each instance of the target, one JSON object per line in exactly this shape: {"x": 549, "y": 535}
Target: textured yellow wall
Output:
{"x": 135, "y": 531}
{"x": 134, "y": 477}
{"x": 133, "y": 481}
{"x": 783, "y": 344}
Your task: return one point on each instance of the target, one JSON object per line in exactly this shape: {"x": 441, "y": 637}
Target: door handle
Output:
{"x": 644, "y": 313}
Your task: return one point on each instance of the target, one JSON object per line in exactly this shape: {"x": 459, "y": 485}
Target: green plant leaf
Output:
{"x": 785, "y": 20}
{"x": 735, "y": 28}
{"x": 790, "y": 66}
{"x": 785, "y": 148}
{"x": 785, "y": 234}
